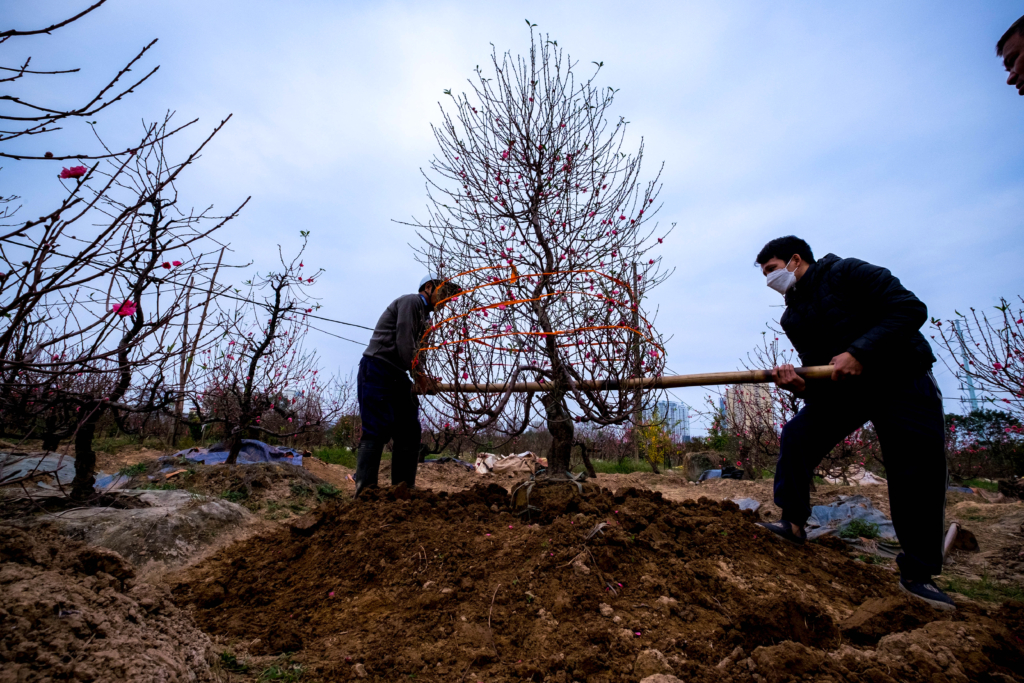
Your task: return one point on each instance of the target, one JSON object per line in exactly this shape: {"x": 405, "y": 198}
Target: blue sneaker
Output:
{"x": 929, "y": 592}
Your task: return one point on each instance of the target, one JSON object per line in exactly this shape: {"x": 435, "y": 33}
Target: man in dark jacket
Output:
{"x": 860, "y": 319}
{"x": 388, "y": 407}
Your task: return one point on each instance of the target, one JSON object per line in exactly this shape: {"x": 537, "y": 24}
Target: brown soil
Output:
{"x": 129, "y": 455}
{"x": 73, "y": 612}
{"x": 456, "y": 587}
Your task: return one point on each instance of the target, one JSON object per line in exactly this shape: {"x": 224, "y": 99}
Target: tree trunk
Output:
{"x": 236, "y": 447}
{"x": 85, "y": 460}
{"x": 584, "y": 453}
{"x": 51, "y": 440}
{"x": 561, "y": 429}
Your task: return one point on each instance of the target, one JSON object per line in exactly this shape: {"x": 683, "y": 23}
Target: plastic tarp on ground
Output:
{"x": 833, "y": 518}
{"x": 60, "y": 467}
{"x": 858, "y": 477}
{"x": 830, "y": 519}
{"x": 518, "y": 462}
{"x": 253, "y": 451}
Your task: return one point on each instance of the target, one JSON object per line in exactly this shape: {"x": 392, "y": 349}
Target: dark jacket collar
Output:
{"x": 809, "y": 282}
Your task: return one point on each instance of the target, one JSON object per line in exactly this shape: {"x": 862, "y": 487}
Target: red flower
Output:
{"x": 175, "y": 263}
{"x": 73, "y": 172}
{"x": 167, "y": 265}
{"x": 48, "y": 155}
{"x": 126, "y": 309}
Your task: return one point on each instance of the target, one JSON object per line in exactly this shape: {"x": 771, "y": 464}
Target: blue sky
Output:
{"x": 878, "y": 130}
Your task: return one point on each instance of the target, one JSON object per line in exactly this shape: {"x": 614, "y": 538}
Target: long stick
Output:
{"x": 667, "y": 382}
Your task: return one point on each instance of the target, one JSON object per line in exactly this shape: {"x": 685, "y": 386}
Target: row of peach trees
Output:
{"x": 114, "y": 302}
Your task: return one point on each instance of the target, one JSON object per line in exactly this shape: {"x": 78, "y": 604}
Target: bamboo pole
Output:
{"x": 665, "y": 382}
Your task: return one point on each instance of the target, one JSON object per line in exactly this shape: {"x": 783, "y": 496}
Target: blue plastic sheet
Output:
{"x": 60, "y": 467}
{"x": 830, "y": 519}
{"x": 960, "y": 489}
{"x": 253, "y": 451}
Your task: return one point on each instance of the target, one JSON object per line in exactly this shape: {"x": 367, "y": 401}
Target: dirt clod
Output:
{"x": 651, "y": 662}
{"x": 73, "y": 612}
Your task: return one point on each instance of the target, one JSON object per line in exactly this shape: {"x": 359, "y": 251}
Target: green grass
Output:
{"x": 335, "y": 455}
{"x": 872, "y": 559}
{"x": 135, "y": 470}
{"x": 166, "y": 486}
{"x": 626, "y": 466}
{"x": 230, "y": 662}
{"x": 980, "y": 484}
{"x": 285, "y": 670}
{"x": 859, "y": 529}
{"x": 234, "y": 496}
{"x": 985, "y": 589}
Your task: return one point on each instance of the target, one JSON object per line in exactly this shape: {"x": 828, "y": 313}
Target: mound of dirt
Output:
{"x": 594, "y": 586}
{"x": 72, "y": 612}
{"x": 167, "y": 527}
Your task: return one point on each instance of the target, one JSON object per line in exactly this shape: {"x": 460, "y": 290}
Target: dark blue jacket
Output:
{"x": 850, "y": 305}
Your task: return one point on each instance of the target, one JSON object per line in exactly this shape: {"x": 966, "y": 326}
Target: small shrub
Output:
{"x": 135, "y": 470}
{"x": 299, "y": 490}
{"x": 858, "y": 528}
{"x": 234, "y": 496}
{"x": 327, "y": 492}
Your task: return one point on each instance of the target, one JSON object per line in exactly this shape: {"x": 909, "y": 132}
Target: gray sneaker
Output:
{"x": 929, "y": 592}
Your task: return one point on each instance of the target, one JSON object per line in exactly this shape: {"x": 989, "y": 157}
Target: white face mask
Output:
{"x": 782, "y": 280}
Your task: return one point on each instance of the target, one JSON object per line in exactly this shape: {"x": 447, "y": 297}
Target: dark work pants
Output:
{"x": 389, "y": 411}
{"x": 907, "y": 415}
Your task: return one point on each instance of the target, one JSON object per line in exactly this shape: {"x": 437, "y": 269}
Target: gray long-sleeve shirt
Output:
{"x": 398, "y": 333}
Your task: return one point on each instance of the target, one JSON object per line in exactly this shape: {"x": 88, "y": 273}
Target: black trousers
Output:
{"x": 389, "y": 412}
{"x": 908, "y": 418}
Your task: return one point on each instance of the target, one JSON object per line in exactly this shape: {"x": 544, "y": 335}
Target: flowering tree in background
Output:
{"x": 537, "y": 212}
{"x": 259, "y": 378}
{"x": 988, "y": 351}
{"x": 750, "y": 428}
{"x": 94, "y": 292}
{"x": 94, "y": 315}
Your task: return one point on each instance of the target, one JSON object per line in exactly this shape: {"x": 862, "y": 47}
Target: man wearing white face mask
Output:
{"x": 859, "y": 318}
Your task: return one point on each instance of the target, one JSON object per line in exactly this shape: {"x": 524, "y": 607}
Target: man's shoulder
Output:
{"x": 408, "y": 300}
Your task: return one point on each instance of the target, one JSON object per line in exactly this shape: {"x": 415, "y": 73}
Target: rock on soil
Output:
{"x": 73, "y": 612}
{"x": 448, "y": 587}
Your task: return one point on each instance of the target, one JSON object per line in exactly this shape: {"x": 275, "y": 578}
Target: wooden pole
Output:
{"x": 666, "y": 382}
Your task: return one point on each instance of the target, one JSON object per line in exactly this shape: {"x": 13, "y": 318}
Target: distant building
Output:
{"x": 748, "y": 405}
{"x": 675, "y": 415}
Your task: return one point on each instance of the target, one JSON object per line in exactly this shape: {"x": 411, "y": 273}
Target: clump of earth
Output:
{"x": 75, "y": 612}
{"x": 592, "y": 586}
